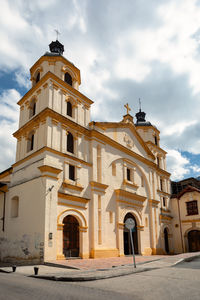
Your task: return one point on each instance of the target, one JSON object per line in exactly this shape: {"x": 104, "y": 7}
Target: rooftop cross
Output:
{"x": 139, "y": 104}
{"x": 127, "y": 107}
{"x": 57, "y": 33}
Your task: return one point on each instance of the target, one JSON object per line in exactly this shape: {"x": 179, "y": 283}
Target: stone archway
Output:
{"x": 127, "y": 244}
{"x": 194, "y": 240}
{"x": 71, "y": 235}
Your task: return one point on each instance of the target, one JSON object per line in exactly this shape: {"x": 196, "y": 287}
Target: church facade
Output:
{"x": 75, "y": 181}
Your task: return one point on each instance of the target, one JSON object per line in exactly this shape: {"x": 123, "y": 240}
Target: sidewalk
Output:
{"x": 66, "y": 273}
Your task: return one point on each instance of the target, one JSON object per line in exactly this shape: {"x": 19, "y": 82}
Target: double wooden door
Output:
{"x": 70, "y": 237}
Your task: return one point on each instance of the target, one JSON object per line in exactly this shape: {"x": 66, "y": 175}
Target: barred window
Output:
{"x": 192, "y": 208}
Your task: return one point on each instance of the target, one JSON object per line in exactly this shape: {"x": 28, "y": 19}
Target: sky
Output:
{"x": 125, "y": 50}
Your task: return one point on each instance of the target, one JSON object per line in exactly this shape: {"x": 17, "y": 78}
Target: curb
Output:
{"x": 186, "y": 259}
{"x": 49, "y": 264}
{"x": 91, "y": 277}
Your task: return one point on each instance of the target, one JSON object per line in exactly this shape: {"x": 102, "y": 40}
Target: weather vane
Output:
{"x": 139, "y": 104}
{"x": 127, "y": 108}
{"x": 57, "y": 33}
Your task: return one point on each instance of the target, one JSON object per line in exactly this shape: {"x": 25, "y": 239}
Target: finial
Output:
{"x": 127, "y": 107}
{"x": 57, "y": 33}
{"x": 139, "y": 104}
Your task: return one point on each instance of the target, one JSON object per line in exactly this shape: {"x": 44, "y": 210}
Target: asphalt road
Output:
{"x": 180, "y": 282}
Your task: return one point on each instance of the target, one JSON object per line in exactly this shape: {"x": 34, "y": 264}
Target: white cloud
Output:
{"x": 22, "y": 78}
{"x": 177, "y": 164}
{"x": 196, "y": 169}
{"x": 124, "y": 52}
{"x": 9, "y": 114}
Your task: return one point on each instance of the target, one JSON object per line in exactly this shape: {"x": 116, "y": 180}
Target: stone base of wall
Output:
{"x": 21, "y": 262}
{"x": 104, "y": 253}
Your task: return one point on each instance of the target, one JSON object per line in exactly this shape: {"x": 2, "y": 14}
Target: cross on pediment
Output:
{"x": 127, "y": 108}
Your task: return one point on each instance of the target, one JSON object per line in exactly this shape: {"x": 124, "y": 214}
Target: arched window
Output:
{"x": 37, "y": 77}
{"x": 30, "y": 142}
{"x": 32, "y": 108}
{"x": 69, "y": 109}
{"x": 70, "y": 143}
{"x": 14, "y": 207}
{"x": 68, "y": 78}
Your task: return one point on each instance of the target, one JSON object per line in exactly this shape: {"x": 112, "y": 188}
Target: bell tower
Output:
{"x": 52, "y": 106}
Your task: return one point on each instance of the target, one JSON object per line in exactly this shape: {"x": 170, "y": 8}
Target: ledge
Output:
{"x": 163, "y": 193}
{"x": 76, "y": 187}
{"x": 131, "y": 184}
{"x": 73, "y": 198}
{"x": 98, "y": 185}
{"x": 129, "y": 195}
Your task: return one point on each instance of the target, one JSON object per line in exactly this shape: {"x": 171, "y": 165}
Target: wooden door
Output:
{"x": 194, "y": 240}
{"x": 70, "y": 237}
{"x": 127, "y": 243}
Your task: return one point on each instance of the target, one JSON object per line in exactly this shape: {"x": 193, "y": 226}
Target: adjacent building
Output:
{"x": 185, "y": 203}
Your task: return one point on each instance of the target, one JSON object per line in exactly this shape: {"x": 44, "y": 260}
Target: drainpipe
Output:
{"x": 4, "y": 210}
{"x": 180, "y": 225}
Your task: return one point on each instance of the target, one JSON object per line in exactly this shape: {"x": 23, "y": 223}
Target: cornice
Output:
{"x": 72, "y": 186}
{"x": 96, "y": 134}
{"x": 131, "y": 126}
{"x": 54, "y": 59}
{"x": 129, "y": 195}
{"x": 60, "y": 83}
{"x": 6, "y": 173}
{"x": 98, "y": 185}
{"x": 146, "y": 127}
{"x": 131, "y": 184}
{"x": 89, "y": 133}
{"x": 128, "y": 203}
{"x": 49, "y": 169}
{"x": 73, "y": 198}
{"x": 190, "y": 221}
{"x": 156, "y": 146}
{"x": 154, "y": 202}
{"x": 163, "y": 193}
{"x": 56, "y": 117}
{"x": 164, "y": 217}
{"x": 42, "y": 150}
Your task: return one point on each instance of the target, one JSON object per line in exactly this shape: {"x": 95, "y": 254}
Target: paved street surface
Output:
{"x": 103, "y": 263}
{"x": 181, "y": 281}
{"x": 17, "y": 287}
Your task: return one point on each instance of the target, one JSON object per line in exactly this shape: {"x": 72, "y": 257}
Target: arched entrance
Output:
{"x": 70, "y": 236}
{"x": 127, "y": 243}
{"x": 194, "y": 240}
{"x": 166, "y": 240}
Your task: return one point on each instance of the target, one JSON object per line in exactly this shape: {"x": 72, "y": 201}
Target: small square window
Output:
{"x": 192, "y": 208}
{"x": 72, "y": 172}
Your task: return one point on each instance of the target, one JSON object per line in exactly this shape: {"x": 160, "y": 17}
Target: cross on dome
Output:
{"x": 57, "y": 33}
